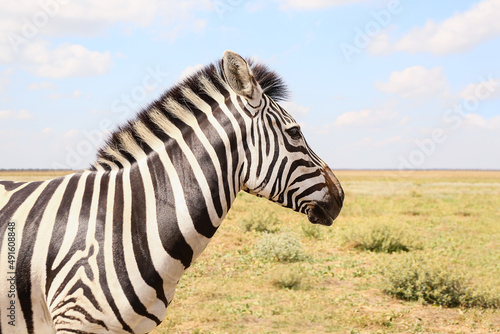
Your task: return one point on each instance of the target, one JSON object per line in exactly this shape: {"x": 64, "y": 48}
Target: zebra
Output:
{"x": 102, "y": 250}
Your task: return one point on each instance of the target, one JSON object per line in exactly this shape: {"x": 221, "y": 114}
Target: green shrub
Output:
{"x": 382, "y": 238}
{"x": 261, "y": 221}
{"x": 289, "y": 279}
{"x": 312, "y": 231}
{"x": 281, "y": 247}
{"x": 433, "y": 281}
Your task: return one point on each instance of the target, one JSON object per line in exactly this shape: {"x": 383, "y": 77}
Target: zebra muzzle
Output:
{"x": 323, "y": 213}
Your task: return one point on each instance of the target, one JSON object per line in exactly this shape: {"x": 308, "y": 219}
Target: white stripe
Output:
{"x": 168, "y": 268}
{"x": 116, "y": 292}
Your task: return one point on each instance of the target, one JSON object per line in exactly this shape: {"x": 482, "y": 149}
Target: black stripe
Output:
{"x": 234, "y": 150}
{"x": 248, "y": 156}
{"x": 59, "y": 318}
{"x": 59, "y": 229}
{"x": 312, "y": 189}
{"x": 140, "y": 238}
{"x": 304, "y": 177}
{"x": 192, "y": 193}
{"x": 201, "y": 154}
{"x": 267, "y": 141}
{"x": 25, "y": 252}
{"x": 83, "y": 262}
{"x": 289, "y": 194}
{"x": 119, "y": 254}
{"x": 271, "y": 166}
{"x": 79, "y": 243}
{"x": 70, "y": 330}
{"x": 296, "y": 164}
{"x": 13, "y": 204}
{"x": 277, "y": 186}
{"x": 260, "y": 153}
{"x": 219, "y": 145}
{"x": 100, "y": 237}
{"x": 11, "y": 185}
{"x": 241, "y": 122}
{"x": 171, "y": 237}
{"x": 87, "y": 292}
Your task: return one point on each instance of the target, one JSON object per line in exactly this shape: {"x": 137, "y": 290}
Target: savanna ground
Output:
{"x": 267, "y": 270}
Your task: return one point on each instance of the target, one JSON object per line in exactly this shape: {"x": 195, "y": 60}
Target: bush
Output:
{"x": 261, "y": 221}
{"x": 287, "y": 279}
{"x": 280, "y": 247}
{"x": 312, "y": 231}
{"x": 383, "y": 238}
{"x": 432, "y": 281}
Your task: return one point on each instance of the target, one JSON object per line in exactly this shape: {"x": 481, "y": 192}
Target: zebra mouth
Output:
{"x": 318, "y": 214}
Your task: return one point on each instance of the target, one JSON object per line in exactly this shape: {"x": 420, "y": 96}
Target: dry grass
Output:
{"x": 452, "y": 215}
{"x": 32, "y": 175}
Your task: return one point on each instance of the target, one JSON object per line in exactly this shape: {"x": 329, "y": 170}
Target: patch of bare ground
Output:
{"x": 394, "y": 316}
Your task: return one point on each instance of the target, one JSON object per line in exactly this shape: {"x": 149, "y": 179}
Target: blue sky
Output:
{"x": 376, "y": 84}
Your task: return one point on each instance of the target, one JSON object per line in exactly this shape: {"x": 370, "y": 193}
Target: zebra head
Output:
{"x": 279, "y": 164}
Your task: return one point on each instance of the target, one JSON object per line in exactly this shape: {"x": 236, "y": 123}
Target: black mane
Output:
{"x": 271, "y": 83}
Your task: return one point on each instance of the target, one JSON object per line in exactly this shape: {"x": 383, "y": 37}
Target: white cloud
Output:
{"x": 89, "y": 17}
{"x": 15, "y": 114}
{"x": 365, "y": 117}
{"x": 315, "y": 4}
{"x": 388, "y": 141}
{"x": 55, "y": 96}
{"x": 71, "y": 133}
{"x": 76, "y": 94}
{"x": 255, "y": 6}
{"x": 64, "y": 61}
{"x": 43, "y": 85}
{"x": 486, "y": 89}
{"x": 461, "y": 32}
{"x": 475, "y": 120}
{"x": 58, "y": 96}
{"x": 365, "y": 141}
{"x": 295, "y": 109}
{"x": 415, "y": 83}
{"x": 26, "y": 27}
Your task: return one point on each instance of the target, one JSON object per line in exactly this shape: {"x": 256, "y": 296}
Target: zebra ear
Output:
{"x": 239, "y": 76}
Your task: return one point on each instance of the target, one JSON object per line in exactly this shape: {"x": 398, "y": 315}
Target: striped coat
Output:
{"x": 102, "y": 250}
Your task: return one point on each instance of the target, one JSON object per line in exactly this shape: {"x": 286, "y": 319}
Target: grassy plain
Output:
{"x": 451, "y": 218}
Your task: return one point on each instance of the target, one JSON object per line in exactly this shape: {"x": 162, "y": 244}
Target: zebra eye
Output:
{"x": 294, "y": 132}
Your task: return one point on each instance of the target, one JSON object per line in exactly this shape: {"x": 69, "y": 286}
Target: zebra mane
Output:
{"x": 128, "y": 138}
